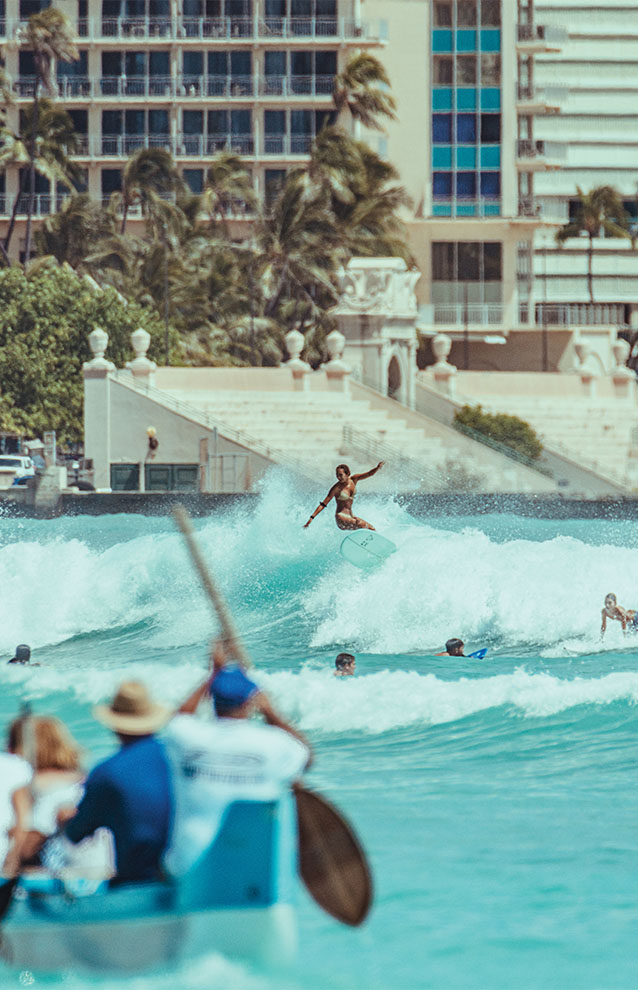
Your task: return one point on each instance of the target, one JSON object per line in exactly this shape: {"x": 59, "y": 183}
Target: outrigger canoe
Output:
{"x": 238, "y": 899}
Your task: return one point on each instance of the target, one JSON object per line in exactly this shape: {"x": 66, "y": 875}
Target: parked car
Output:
{"x": 23, "y": 467}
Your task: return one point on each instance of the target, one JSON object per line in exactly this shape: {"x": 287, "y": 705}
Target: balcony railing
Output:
{"x": 540, "y": 150}
{"x": 288, "y": 144}
{"x": 580, "y": 314}
{"x": 136, "y": 27}
{"x": 74, "y": 87}
{"x": 200, "y": 145}
{"x": 545, "y": 95}
{"x": 460, "y": 315}
{"x": 467, "y": 206}
{"x": 221, "y": 28}
{"x": 42, "y": 203}
{"x": 143, "y": 86}
{"x": 549, "y": 34}
{"x": 287, "y": 86}
{"x": 126, "y": 144}
{"x": 528, "y": 207}
{"x": 228, "y": 87}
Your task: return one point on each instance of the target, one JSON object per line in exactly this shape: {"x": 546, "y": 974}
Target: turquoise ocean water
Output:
{"x": 497, "y": 799}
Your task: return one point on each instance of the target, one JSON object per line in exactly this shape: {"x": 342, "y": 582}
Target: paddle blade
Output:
{"x": 332, "y": 863}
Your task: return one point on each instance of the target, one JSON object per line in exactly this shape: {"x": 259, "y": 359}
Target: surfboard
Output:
{"x": 366, "y": 548}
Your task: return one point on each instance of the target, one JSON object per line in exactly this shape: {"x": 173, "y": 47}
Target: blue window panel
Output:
{"x": 466, "y": 41}
{"x": 441, "y": 185}
{"x": 466, "y": 157}
{"x": 492, "y": 209}
{"x": 491, "y": 41}
{"x": 466, "y": 209}
{"x": 466, "y": 98}
{"x": 490, "y": 184}
{"x": 466, "y": 184}
{"x": 442, "y": 210}
{"x": 441, "y": 128}
{"x": 442, "y": 98}
{"x": 441, "y": 157}
{"x": 490, "y": 128}
{"x": 491, "y": 156}
{"x": 466, "y": 128}
{"x": 490, "y": 99}
{"x": 441, "y": 41}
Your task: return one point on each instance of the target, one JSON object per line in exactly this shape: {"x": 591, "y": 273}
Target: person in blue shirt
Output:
{"x": 131, "y": 792}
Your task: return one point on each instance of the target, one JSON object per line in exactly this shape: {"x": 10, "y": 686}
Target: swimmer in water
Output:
{"x": 628, "y": 617}
{"x": 344, "y": 492}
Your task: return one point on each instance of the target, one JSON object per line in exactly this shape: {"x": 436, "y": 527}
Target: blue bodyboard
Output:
{"x": 366, "y": 548}
{"x": 478, "y": 654}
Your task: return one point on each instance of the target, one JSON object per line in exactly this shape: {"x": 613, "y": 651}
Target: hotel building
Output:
{"x": 504, "y": 106}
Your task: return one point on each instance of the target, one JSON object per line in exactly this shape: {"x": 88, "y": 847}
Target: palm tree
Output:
{"x": 75, "y": 231}
{"x": 600, "y": 209}
{"x": 362, "y": 89}
{"x": 228, "y": 182}
{"x": 49, "y": 36}
{"x": 55, "y": 140}
{"x": 148, "y": 172}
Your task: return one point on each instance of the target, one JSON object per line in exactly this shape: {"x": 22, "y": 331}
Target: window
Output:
{"x": 492, "y": 261}
{"x": 466, "y": 184}
{"x": 111, "y": 180}
{"x": 443, "y": 70}
{"x": 442, "y": 13}
{"x": 274, "y": 180}
{"x": 442, "y": 128}
{"x": 491, "y": 69}
{"x": 466, "y": 69}
{"x": 442, "y": 185}
{"x": 490, "y": 184}
{"x": 490, "y": 128}
{"x": 490, "y": 13}
{"x": 467, "y": 261}
{"x": 125, "y": 477}
{"x": 193, "y": 121}
{"x": 466, "y": 128}
{"x": 466, "y": 15}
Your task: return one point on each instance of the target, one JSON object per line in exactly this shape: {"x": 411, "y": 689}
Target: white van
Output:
{"x": 15, "y": 469}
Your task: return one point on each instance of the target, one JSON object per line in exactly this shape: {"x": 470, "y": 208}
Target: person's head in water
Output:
{"x": 454, "y": 647}
{"x": 610, "y": 600}
{"x": 23, "y": 654}
{"x": 342, "y": 472}
{"x": 345, "y": 664}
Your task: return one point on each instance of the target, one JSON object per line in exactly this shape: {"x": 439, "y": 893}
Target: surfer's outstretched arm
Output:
{"x": 322, "y": 505}
{"x": 367, "y": 474}
{"x": 603, "y": 625}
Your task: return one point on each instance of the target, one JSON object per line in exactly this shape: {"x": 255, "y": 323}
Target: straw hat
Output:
{"x": 132, "y": 711}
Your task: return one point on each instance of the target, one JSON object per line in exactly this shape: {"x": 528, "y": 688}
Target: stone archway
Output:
{"x": 395, "y": 379}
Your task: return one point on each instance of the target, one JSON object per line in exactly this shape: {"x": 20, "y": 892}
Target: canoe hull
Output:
{"x": 238, "y": 899}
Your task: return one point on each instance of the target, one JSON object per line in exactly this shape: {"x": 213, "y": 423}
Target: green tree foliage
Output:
{"x": 510, "y": 430}
{"x": 46, "y": 316}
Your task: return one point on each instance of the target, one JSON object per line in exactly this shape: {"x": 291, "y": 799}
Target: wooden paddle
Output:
{"x": 332, "y": 863}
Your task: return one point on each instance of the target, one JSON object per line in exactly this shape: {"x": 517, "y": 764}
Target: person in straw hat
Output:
{"x": 130, "y": 793}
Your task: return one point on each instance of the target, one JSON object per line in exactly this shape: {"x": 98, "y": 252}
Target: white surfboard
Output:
{"x": 366, "y": 548}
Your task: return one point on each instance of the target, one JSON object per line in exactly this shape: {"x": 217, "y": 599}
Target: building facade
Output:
{"x": 196, "y": 77}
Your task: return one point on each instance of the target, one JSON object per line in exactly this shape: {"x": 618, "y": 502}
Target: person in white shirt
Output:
{"x": 229, "y": 759}
{"x": 15, "y": 774}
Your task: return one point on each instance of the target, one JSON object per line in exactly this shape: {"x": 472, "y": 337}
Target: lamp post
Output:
{"x": 466, "y": 332}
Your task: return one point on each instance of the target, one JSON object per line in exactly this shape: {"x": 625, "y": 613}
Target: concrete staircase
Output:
{"x": 307, "y": 428}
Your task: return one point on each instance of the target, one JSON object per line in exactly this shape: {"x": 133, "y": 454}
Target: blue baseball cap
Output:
{"x": 230, "y": 689}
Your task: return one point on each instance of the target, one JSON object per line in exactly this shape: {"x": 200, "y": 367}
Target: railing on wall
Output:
{"x": 406, "y": 467}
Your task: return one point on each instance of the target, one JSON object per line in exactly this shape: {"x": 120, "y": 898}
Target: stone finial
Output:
{"x": 337, "y": 370}
{"x": 621, "y": 374}
{"x": 443, "y": 372}
{"x": 335, "y": 343}
{"x": 300, "y": 369}
{"x": 141, "y": 367}
{"x": 98, "y": 342}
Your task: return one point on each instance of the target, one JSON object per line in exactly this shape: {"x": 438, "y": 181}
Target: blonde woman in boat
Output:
{"x": 344, "y": 491}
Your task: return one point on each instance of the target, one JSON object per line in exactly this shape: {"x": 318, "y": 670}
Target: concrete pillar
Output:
{"x": 337, "y": 371}
{"x": 97, "y": 411}
{"x": 300, "y": 369}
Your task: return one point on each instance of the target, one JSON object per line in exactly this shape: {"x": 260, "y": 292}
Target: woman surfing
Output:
{"x": 628, "y": 617}
{"x": 344, "y": 492}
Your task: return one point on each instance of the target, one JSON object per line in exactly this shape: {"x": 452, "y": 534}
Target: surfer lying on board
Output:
{"x": 628, "y": 617}
{"x": 344, "y": 492}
